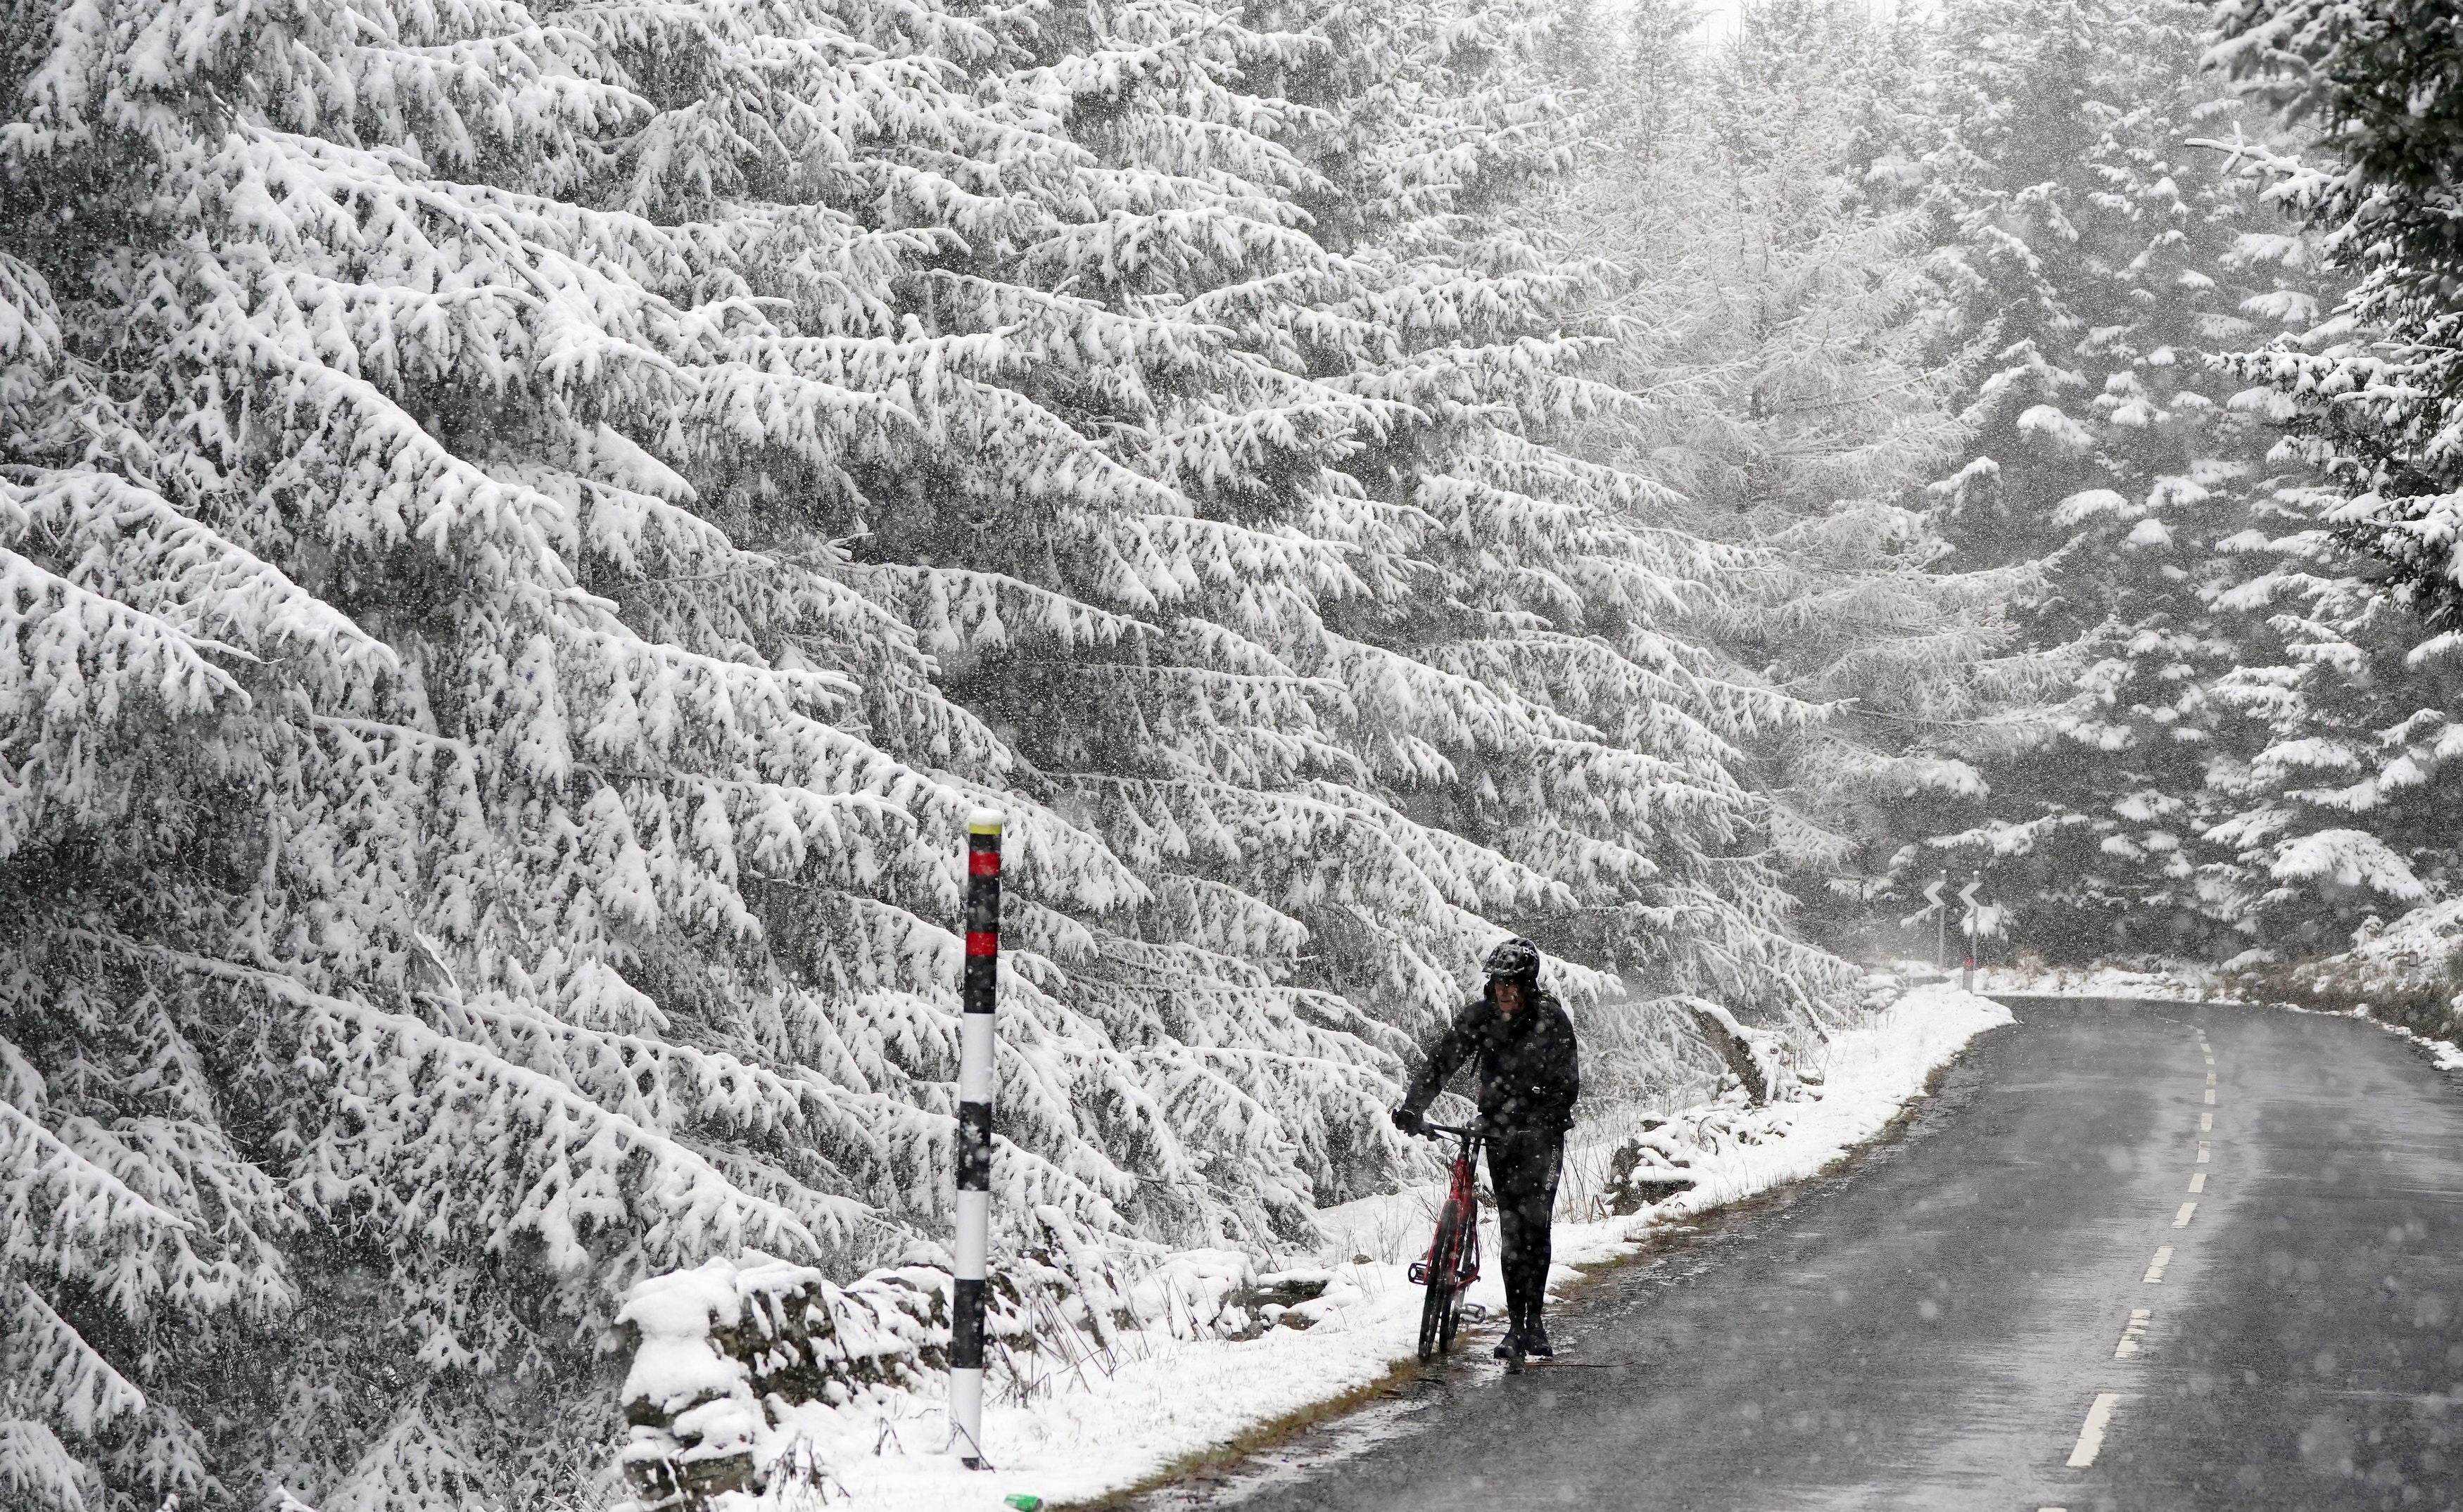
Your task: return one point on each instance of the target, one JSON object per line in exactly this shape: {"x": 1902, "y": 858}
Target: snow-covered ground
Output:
{"x": 2198, "y": 984}
{"x": 2417, "y": 945}
{"x": 2447, "y": 1055}
{"x": 2185, "y": 983}
{"x": 1112, "y": 1422}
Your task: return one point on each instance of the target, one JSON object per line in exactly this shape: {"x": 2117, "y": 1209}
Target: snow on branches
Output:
{"x": 527, "y": 528}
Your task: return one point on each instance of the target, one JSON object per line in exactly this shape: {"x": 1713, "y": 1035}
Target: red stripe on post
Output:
{"x": 983, "y": 943}
{"x": 983, "y": 863}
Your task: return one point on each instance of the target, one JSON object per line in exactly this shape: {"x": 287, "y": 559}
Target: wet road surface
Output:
{"x": 2132, "y": 1256}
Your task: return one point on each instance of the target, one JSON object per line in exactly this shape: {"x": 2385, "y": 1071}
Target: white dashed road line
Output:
{"x": 2090, "y": 1439}
{"x": 2131, "y": 1333}
{"x": 2099, "y": 1416}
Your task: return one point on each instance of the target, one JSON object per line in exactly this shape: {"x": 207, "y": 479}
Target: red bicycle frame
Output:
{"x": 1462, "y": 1195}
{"x": 1452, "y": 1261}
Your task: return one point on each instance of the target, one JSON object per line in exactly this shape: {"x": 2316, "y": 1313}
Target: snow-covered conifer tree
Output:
{"x": 528, "y": 529}
{"x": 1281, "y": 734}
{"x": 477, "y": 834}
{"x": 2113, "y": 253}
{"x": 1789, "y": 341}
{"x": 2350, "y": 797}
{"x": 1576, "y": 576}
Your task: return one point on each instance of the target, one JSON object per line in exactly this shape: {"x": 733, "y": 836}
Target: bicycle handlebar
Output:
{"x": 1431, "y": 1131}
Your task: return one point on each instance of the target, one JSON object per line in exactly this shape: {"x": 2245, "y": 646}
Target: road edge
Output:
{"x": 1685, "y": 1231}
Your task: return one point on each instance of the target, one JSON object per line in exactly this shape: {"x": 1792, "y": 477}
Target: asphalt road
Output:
{"x": 1948, "y": 1321}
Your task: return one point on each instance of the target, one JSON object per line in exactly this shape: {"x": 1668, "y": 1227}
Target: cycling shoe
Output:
{"x": 1508, "y": 1346}
{"x": 1534, "y": 1342}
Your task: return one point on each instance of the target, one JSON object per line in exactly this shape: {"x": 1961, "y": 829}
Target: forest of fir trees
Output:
{"x": 2252, "y": 759}
{"x": 528, "y": 529}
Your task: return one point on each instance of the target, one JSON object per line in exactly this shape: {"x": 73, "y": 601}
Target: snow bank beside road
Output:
{"x": 2405, "y": 978}
{"x": 2445, "y": 1054}
{"x": 2184, "y": 984}
{"x": 1112, "y": 1422}
{"x": 2409, "y": 974}
{"x": 1870, "y": 1074}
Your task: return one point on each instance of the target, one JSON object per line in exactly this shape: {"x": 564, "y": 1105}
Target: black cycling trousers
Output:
{"x": 1523, "y": 1167}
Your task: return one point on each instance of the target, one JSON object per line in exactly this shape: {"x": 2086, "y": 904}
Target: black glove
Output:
{"x": 1409, "y": 1122}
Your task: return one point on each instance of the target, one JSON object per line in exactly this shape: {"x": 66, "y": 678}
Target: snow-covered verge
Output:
{"x": 2187, "y": 983}
{"x": 1201, "y": 1348}
{"x": 2407, "y": 978}
{"x": 2446, "y": 1054}
{"x": 2409, "y": 974}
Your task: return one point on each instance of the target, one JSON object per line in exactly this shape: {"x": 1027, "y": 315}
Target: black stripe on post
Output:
{"x": 966, "y": 1325}
{"x": 974, "y": 1147}
{"x": 974, "y": 1134}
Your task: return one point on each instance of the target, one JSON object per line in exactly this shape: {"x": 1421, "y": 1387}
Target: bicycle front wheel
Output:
{"x": 1437, "y": 1307}
{"x": 1466, "y": 1266}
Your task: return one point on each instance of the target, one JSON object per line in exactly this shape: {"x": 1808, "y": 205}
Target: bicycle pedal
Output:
{"x": 1418, "y": 1273}
{"x": 1474, "y": 1312}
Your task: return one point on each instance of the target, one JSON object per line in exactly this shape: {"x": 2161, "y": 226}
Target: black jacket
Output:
{"x": 1529, "y": 1070}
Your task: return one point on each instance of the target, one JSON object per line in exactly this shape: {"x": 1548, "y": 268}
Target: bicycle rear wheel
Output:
{"x": 1466, "y": 1266}
{"x": 1437, "y": 1309}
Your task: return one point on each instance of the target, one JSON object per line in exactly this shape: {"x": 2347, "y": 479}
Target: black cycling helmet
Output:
{"x": 1516, "y": 959}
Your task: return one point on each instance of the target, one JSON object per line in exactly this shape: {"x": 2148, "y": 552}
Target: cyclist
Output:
{"x": 1521, "y": 1043}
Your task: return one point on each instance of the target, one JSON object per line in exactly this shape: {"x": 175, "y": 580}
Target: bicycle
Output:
{"x": 1452, "y": 1261}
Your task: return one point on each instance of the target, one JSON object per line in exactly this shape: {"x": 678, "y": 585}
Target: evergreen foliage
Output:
{"x": 2369, "y": 390}
{"x": 2197, "y": 794}
{"x": 2376, "y": 83}
{"x": 1788, "y": 331}
{"x": 527, "y": 531}
{"x": 527, "y": 528}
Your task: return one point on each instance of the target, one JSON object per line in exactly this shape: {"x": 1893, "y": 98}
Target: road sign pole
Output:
{"x": 1967, "y": 922}
{"x": 974, "y": 1137}
{"x": 1943, "y": 923}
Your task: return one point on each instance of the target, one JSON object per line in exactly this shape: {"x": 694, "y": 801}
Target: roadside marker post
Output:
{"x": 974, "y": 1137}
{"x": 1967, "y": 896}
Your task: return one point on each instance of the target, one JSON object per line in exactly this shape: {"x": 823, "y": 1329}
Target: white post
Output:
{"x": 1941, "y": 925}
{"x": 974, "y": 1137}
{"x": 1968, "y": 923}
